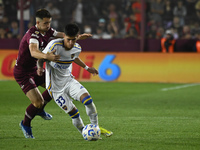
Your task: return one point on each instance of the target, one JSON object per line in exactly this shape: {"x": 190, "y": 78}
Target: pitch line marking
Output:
{"x": 180, "y": 87}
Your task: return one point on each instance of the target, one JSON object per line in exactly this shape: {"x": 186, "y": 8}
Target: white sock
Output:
{"x": 78, "y": 123}
{"x": 92, "y": 113}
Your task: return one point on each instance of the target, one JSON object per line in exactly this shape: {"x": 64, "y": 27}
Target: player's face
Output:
{"x": 44, "y": 24}
{"x": 69, "y": 41}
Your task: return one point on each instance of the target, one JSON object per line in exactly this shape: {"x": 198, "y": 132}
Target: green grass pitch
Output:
{"x": 141, "y": 115}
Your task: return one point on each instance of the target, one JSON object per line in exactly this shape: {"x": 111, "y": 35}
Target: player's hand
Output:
{"x": 84, "y": 36}
{"x": 93, "y": 71}
{"x": 40, "y": 71}
{"x": 52, "y": 57}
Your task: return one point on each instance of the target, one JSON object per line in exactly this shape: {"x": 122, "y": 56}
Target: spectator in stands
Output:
{"x": 126, "y": 5}
{"x": 55, "y": 13}
{"x": 151, "y": 34}
{"x": 176, "y": 26}
{"x": 2, "y": 33}
{"x": 87, "y": 29}
{"x": 4, "y": 23}
{"x": 186, "y": 33}
{"x": 136, "y": 10}
{"x": 157, "y": 10}
{"x": 197, "y": 9}
{"x": 160, "y": 33}
{"x": 9, "y": 35}
{"x": 14, "y": 29}
{"x": 131, "y": 27}
{"x": 100, "y": 34}
{"x": 77, "y": 15}
{"x": 102, "y": 24}
{"x": 168, "y": 42}
{"x": 168, "y": 14}
{"x": 180, "y": 11}
{"x": 113, "y": 25}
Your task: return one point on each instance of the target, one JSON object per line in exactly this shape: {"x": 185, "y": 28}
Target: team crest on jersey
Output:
{"x": 72, "y": 56}
{"x": 37, "y": 32}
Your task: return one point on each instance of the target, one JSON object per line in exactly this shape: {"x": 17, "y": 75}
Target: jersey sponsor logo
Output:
{"x": 59, "y": 66}
{"x": 34, "y": 35}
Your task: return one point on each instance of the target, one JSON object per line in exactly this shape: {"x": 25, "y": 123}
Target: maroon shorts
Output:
{"x": 28, "y": 80}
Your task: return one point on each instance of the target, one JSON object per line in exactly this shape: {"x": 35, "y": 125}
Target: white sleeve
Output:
{"x": 32, "y": 40}
{"x": 47, "y": 48}
{"x": 55, "y": 33}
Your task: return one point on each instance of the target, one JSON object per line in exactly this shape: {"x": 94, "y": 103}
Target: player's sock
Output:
{"x": 90, "y": 109}
{"x": 30, "y": 113}
{"x": 47, "y": 98}
{"x": 77, "y": 121}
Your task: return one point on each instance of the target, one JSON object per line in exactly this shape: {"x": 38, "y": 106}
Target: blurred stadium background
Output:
{"x": 126, "y": 33}
{"x": 159, "y": 109}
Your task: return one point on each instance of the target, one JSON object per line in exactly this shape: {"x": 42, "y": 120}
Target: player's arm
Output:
{"x": 34, "y": 50}
{"x": 92, "y": 70}
{"x": 80, "y": 36}
{"x": 60, "y": 35}
{"x": 40, "y": 69}
{"x": 84, "y": 36}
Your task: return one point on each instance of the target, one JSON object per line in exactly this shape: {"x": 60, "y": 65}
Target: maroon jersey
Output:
{"x": 25, "y": 62}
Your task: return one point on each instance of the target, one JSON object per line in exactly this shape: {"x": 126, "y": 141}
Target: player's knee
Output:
{"x": 38, "y": 103}
{"x": 87, "y": 100}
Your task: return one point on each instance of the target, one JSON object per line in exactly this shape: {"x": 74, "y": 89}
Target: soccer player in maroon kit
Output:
{"x": 26, "y": 72}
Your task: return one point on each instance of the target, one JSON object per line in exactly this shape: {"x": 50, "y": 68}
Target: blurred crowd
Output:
{"x": 107, "y": 19}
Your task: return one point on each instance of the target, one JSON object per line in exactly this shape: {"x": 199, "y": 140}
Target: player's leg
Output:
{"x": 47, "y": 98}
{"x": 40, "y": 81}
{"x": 37, "y": 102}
{"x": 78, "y": 92}
{"x": 90, "y": 107}
{"x": 65, "y": 103}
{"x": 76, "y": 119}
{"x": 91, "y": 111}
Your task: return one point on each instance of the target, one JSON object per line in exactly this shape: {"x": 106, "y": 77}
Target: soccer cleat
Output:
{"x": 26, "y": 130}
{"x": 106, "y": 132}
{"x": 45, "y": 115}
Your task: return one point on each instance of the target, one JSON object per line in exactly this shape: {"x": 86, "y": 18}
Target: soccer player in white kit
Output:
{"x": 61, "y": 84}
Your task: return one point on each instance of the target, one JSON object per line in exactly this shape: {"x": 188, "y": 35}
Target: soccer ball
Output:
{"x": 91, "y": 132}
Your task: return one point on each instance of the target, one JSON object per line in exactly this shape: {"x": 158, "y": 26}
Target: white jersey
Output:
{"x": 58, "y": 73}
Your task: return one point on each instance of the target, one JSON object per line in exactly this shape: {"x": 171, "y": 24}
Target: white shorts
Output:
{"x": 64, "y": 99}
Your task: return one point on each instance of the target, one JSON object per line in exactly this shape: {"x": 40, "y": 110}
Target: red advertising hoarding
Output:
{"x": 125, "y": 67}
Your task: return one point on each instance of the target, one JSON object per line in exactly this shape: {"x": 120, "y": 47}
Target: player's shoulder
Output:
{"x": 33, "y": 32}
{"x": 56, "y": 43}
{"x": 77, "y": 46}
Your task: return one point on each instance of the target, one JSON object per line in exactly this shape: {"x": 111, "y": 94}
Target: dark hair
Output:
{"x": 71, "y": 29}
{"x": 42, "y": 13}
